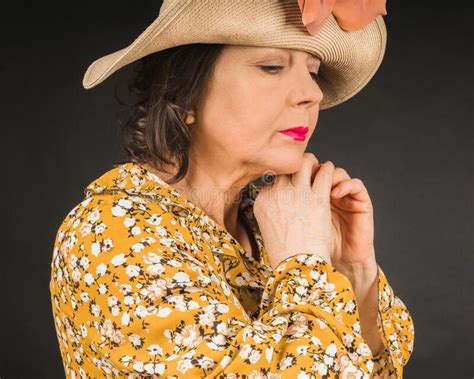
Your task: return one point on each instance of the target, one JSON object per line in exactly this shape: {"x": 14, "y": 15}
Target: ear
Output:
{"x": 190, "y": 118}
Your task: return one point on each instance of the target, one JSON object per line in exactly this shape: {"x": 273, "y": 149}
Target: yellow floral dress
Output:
{"x": 144, "y": 284}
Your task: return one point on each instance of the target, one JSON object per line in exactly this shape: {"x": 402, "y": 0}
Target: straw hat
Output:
{"x": 348, "y": 59}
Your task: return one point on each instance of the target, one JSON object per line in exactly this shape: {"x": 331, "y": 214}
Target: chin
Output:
{"x": 287, "y": 163}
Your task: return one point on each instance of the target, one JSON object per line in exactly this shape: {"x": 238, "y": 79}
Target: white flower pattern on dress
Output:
{"x": 146, "y": 284}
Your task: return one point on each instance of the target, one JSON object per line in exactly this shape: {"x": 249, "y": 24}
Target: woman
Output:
{"x": 178, "y": 263}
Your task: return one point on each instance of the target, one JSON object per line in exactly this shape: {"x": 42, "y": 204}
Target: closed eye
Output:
{"x": 270, "y": 69}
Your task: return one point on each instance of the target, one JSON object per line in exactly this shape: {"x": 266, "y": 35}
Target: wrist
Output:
{"x": 362, "y": 276}
{"x": 358, "y": 271}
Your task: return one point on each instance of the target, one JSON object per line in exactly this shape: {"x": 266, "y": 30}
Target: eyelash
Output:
{"x": 315, "y": 75}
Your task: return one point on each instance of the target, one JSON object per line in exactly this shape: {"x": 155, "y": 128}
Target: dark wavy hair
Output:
{"x": 166, "y": 85}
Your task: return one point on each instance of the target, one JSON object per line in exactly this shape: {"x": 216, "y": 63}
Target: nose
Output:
{"x": 306, "y": 90}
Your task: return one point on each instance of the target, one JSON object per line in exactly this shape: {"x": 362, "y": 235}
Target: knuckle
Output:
{"x": 310, "y": 156}
{"x": 341, "y": 170}
{"x": 326, "y": 168}
{"x": 358, "y": 181}
{"x": 330, "y": 165}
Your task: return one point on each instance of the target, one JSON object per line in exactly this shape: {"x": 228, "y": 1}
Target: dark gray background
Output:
{"x": 407, "y": 135}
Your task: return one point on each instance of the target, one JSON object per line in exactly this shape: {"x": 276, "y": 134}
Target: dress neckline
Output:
{"x": 244, "y": 207}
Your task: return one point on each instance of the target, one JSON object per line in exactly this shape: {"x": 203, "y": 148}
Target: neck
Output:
{"x": 216, "y": 192}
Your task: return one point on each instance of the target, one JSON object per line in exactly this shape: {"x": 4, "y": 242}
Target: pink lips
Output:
{"x": 298, "y": 133}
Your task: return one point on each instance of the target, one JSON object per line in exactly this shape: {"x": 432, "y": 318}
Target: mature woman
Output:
{"x": 179, "y": 262}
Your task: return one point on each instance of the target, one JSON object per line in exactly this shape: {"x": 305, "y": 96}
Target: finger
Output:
{"x": 322, "y": 183}
{"x": 353, "y": 187}
{"x": 302, "y": 177}
{"x": 339, "y": 175}
{"x": 282, "y": 180}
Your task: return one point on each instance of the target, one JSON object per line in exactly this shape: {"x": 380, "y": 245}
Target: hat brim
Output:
{"x": 348, "y": 59}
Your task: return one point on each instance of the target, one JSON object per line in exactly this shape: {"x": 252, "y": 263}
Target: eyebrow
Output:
{"x": 273, "y": 52}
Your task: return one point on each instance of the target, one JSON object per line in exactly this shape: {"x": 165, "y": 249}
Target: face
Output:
{"x": 255, "y": 93}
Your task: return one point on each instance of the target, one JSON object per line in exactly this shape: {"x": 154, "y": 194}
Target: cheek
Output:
{"x": 259, "y": 111}
{"x": 244, "y": 117}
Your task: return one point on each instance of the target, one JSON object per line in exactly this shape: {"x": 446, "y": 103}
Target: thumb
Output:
{"x": 322, "y": 183}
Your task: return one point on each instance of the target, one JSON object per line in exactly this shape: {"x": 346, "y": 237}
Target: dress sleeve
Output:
{"x": 147, "y": 303}
{"x": 396, "y": 327}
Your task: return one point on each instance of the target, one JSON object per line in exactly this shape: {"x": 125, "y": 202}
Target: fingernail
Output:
{"x": 336, "y": 192}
